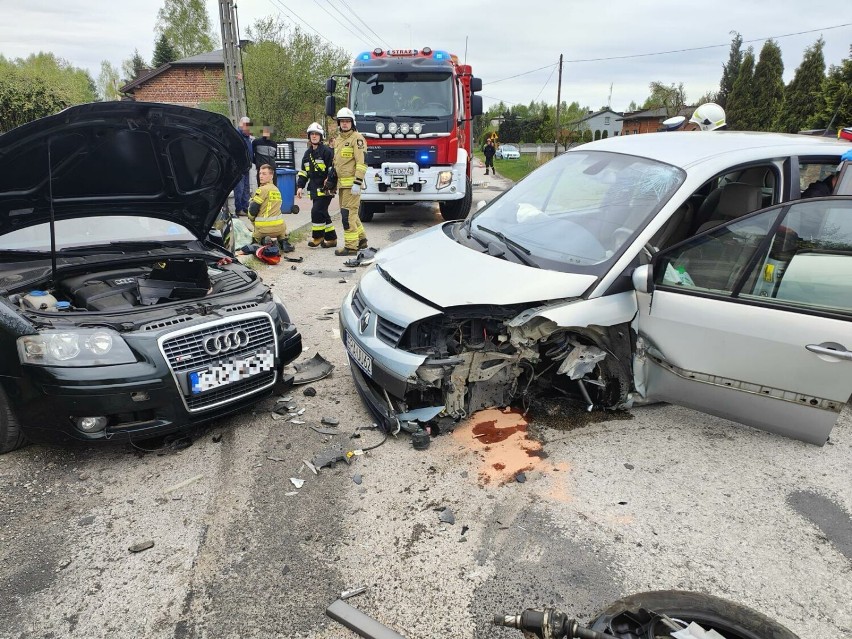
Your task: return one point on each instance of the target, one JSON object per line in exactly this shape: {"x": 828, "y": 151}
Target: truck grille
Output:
{"x": 184, "y": 352}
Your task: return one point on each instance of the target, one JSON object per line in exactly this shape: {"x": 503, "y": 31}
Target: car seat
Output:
{"x": 734, "y": 200}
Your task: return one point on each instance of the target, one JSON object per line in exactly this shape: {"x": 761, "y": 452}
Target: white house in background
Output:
{"x": 605, "y": 123}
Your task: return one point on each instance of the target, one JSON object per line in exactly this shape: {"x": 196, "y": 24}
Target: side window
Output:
{"x": 805, "y": 263}
{"x": 814, "y": 177}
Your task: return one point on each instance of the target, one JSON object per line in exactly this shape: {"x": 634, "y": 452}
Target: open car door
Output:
{"x": 752, "y": 320}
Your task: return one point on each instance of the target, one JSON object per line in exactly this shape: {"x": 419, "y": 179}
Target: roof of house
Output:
{"x": 212, "y": 58}
{"x": 592, "y": 115}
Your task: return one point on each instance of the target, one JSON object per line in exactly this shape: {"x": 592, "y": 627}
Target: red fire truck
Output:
{"x": 415, "y": 108}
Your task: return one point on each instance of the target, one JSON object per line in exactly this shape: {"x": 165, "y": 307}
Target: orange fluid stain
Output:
{"x": 558, "y": 490}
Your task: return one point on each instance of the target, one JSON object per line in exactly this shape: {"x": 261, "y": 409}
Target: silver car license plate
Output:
{"x": 231, "y": 371}
{"x": 364, "y": 361}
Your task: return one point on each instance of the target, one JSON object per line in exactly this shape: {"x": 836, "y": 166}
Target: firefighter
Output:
{"x": 350, "y": 164}
{"x": 314, "y": 173}
{"x": 265, "y": 211}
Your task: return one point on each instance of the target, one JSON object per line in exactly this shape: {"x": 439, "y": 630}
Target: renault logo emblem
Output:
{"x": 364, "y": 321}
{"x": 225, "y": 342}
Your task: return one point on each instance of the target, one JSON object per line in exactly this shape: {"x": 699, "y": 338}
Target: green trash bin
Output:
{"x": 285, "y": 180}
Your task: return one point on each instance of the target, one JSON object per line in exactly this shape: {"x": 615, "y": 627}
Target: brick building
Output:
{"x": 649, "y": 120}
{"x": 197, "y": 81}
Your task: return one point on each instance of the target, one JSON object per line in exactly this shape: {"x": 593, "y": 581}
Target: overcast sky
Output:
{"x": 500, "y": 38}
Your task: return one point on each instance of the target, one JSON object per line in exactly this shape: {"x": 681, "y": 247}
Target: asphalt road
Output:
{"x": 662, "y": 498}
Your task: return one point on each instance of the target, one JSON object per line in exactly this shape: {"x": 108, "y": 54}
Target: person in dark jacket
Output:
{"x": 822, "y": 188}
{"x": 489, "y": 152}
{"x": 242, "y": 191}
{"x": 314, "y": 175}
{"x": 264, "y": 150}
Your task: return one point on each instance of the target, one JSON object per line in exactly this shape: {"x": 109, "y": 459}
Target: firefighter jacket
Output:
{"x": 265, "y": 211}
{"x": 314, "y": 170}
{"x": 350, "y": 161}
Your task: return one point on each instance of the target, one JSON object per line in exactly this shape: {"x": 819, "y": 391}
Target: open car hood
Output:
{"x": 120, "y": 158}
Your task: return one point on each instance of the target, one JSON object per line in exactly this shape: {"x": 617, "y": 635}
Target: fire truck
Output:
{"x": 414, "y": 107}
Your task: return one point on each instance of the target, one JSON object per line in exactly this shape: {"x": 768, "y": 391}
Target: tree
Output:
{"x": 25, "y": 98}
{"x": 836, "y": 100}
{"x": 285, "y": 71}
{"x": 632, "y": 106}
{"x": 108, "y": 82}
{"x": 666, "y": 96}
{"x": 186, "y": 25}
{"x": 72, "y": 85}
{"x": 802, "y": 95}
{"x": 133, "y": 67}
{"x": 164, "y": 52}
{"x": 730, "y": 71}
{"x": 768, "y": 88}
{"x": 740, "y": 104}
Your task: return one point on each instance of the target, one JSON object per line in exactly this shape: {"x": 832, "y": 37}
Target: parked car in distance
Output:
{"x": 121, "y": 315}
{"x": 507, "y": 152}
{"x": 676, "y": 267}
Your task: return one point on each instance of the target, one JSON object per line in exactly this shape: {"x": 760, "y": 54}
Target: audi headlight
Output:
{"x": 76, "y": 347}
{"x": 416, "y": 128}
{"x": 380, "y": 127}
{"x": 392, "y": 127}
{"x": 444, "y": 179}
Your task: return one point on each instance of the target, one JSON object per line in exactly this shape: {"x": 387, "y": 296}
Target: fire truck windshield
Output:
{"x": 426, "y": 95}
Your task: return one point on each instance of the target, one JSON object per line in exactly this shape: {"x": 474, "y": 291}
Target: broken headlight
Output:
{"x": 77, "y": 347}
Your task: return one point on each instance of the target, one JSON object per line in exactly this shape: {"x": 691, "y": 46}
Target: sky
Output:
{"x": 512, "y": 45}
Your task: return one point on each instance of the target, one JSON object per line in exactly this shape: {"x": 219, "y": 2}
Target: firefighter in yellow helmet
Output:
{"x": 350, "y": 164}
{"x": 265, "y": 210}
{"x": 314, "y": 174}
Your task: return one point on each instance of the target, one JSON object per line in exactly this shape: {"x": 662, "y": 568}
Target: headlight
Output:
{"x": 444, "y": 179}
{"x": 78, "y": 347}
{"x": 403, "y": 128}
{"x": 380, "y": 127}
{"x": 417, "y": 128}
{"x": 392, "y": 127}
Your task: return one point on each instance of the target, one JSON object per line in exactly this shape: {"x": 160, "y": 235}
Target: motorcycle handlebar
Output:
{"x": 556, "y": 623}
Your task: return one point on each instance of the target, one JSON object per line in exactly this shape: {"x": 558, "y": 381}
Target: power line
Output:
{"x": 280, "y": 5}
{"x": 334, "y": 17}
{"x": 552, "y": 71}
{"x": 520, "y": 74}
{"x": 369, "y": 28}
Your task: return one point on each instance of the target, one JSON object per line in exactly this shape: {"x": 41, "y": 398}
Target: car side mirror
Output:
{"x": 643, "y": 278}
{"x": 480, "y": 205}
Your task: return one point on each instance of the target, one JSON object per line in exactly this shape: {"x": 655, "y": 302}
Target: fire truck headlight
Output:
{"x": 392, "y": 127}
{"x": 444, "y": 179}
{"x": 380, "y": 127}
{"x": 417, "y": 128}
{"x": 403, "y": 128}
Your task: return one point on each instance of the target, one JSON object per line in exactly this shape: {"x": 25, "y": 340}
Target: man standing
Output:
{"x": 243, "y": 189}
{"x": 489, "y": 152}
{"x": 350, "y": 164}
{"x": 264, "y": 150}
{"x": 314, "y": 173}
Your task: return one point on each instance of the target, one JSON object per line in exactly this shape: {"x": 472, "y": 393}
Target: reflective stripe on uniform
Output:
{"x": 272, "y": 220}
{"x": 347, "y": 181}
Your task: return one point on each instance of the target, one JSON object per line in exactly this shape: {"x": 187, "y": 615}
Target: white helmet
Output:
{"x": 709, "y": 116}
{"x": 316, "y": 128}
{"x": 345, "y": 114}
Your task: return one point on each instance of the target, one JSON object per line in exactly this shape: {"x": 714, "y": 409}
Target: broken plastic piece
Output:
{"x": 421, "y": 414}
{"x": 314, "y": 369}
{"x": 310, "y": 391}
{"x": 447, "y": 516}
{"x": 312, "y": 468}
{"x": 521, "y": 478}
{"x": 348, "y": 594}
{"x": 358, "y": 622}
{"x": 357, "y": 479}
{"x": 363, "y": 258}
{"x": 329, "y": 421}
{"x": 325, "y": 431}
{"x": 331, "y": 456}
{"x": 421, "y": 440}
{"x": 183, "y": 484}
{"x": 298, "y": 483}
{"x": 143, "y": 545}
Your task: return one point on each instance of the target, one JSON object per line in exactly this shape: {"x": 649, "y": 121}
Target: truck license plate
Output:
{"x": 400, "y": 170}
{"x": 364, "y": 361}
{"x": 231, "y": 371}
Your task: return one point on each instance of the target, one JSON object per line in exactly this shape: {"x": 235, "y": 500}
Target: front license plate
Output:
{"x": 364, "y": 361}
{"x": 231, "y": 371}
{"x": 400, "y": 170}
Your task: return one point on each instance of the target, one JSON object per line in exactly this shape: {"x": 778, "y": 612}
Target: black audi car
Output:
{"x": 122, "y": 316}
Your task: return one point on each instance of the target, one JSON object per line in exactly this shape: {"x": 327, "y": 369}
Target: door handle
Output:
{"x": 830, "y": 349}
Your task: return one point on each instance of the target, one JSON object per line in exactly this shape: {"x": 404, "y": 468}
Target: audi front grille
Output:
{"x": 198, "y": 348}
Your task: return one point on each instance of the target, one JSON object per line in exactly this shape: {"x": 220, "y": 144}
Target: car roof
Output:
{"x": 688, "y": 148}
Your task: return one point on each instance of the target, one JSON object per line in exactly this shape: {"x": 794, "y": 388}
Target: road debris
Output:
{"x": 298, "y": 483}
{"x": 348, "y": 594}
{"x": 357, "y": 479}
{"x": 521, "y": 478}
{"x": 142, "y": 545}
{"x": 446, "y": 516}
{"x": 311, "y": 467}
{"x": 312, "y": 370}
{"x": 330, "y": 456}
{"x": 420, "y": 440}
{"x": 278, "y": 459}
{"x": 297, "y": 421}
{"x": 310, "y": 391}
{"x": 183, "y": 484}
{"x": 325, "y": 431}
{"x": 329, "y": 421}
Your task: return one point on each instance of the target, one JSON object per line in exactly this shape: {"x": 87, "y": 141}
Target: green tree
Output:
{"x": 768, "y": 86}
{"x": 133, "y": 67}
{"x": 730, "y": 71}
{"x": 71, "y": 84}
{"x": 108, "y": 82}
{"x": 285, "y": 71}
{"x": 632, "y": 106}
{"x": 836, "y": 100}
{"x": 24, "y": 98}
{"x": 164, "y": 52}
{"x": 802, "y": 95}
{"x": 186, "y": 25}
{"x": 740, "y": 108}
{"x": 670, "y": 97}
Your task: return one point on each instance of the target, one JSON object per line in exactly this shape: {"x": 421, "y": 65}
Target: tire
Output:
{"x": 366, "y": 211}
{"x": 11, "y": 436}
{"x": 732, "y": 620}
{"x": 458, "y": 209}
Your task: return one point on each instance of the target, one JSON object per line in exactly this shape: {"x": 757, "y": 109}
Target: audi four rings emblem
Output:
{"x": 225, "y": 342}
{"x": 364, "y": 321}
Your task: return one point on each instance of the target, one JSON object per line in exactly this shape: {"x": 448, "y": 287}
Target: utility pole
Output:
{"x": 233, "y": 62}
{"x": 558, "y": 108}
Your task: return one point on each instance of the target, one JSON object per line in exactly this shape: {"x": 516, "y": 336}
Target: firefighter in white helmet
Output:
{"x": 316, "y": 173}
{"x": 350, "y": 163}
{"x": 709, "y": 117}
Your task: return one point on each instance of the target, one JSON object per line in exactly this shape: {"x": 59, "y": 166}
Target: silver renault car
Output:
{"x": 678, "y": 267}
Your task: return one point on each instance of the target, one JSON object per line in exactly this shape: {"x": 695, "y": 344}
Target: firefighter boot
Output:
{"x": 329, "y": 243}
{"x": 345, "y": 251}
{"x": 363, "y": 243}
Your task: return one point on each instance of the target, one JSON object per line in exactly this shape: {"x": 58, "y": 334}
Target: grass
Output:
{"x": 517, "y": 169}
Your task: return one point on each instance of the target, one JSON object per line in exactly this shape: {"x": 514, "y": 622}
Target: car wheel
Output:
{"x": 458, "y": 209}
{"x": 11, "y": 436}
{"x": 366, "y": 211}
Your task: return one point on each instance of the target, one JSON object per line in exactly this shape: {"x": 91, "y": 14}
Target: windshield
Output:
{"x": 578, "y": 211}
{"x": 402, "y": 94}
{"x": 94, "y": 231}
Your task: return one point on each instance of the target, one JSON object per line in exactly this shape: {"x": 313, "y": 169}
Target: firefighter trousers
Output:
{"x": 353, "y": 230}
{"x": 321, "y": 226}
